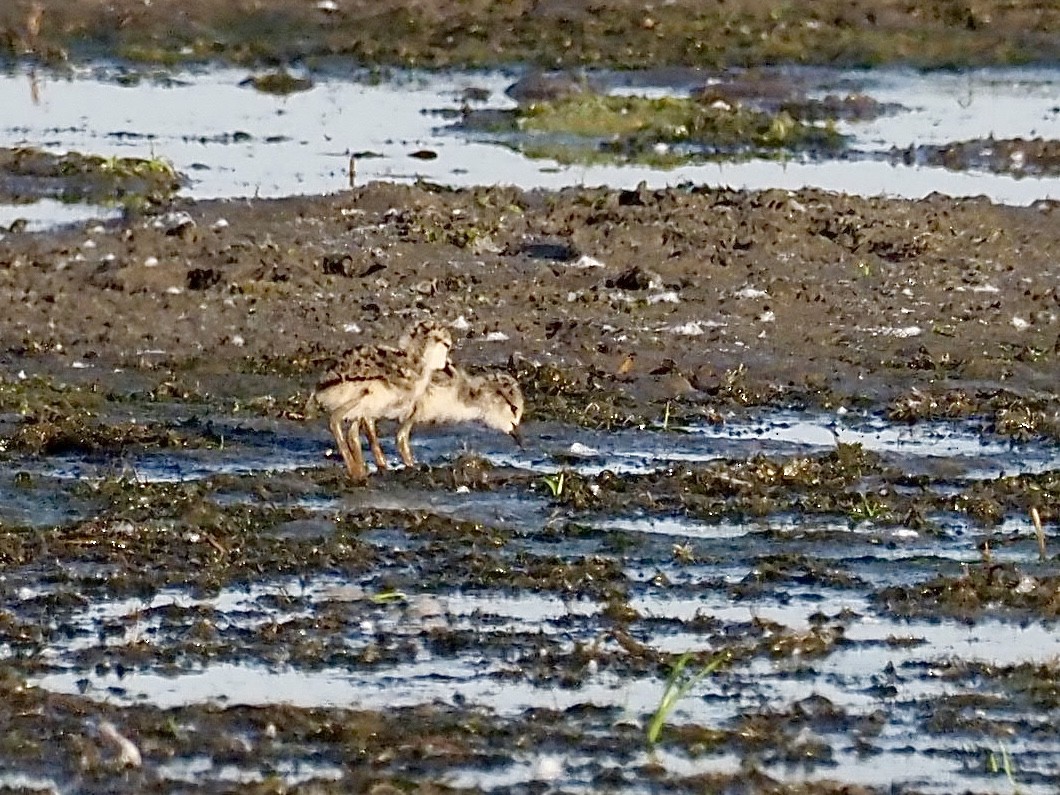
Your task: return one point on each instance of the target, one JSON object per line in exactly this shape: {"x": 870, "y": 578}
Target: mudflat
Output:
{"x": 549, "y": 33}
{"x": 785, "y": 521}
{"x": 646, "y": 295}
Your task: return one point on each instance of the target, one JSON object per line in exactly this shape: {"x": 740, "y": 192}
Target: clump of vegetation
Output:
{"x": 1005, "y": 413}
{"x": 662, "y": 131}
{"x": 986, "y": 588}
{"x": 75, "y": 177}
{"x": 989, "y": 501}
{"x": 1036, "y": 157}
{"x": 280, "y": 82}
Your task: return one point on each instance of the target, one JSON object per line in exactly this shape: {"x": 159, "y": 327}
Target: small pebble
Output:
{"x": 585, "y": 261}
{"x": 128, "y": 753}
{"x": 548, "y": 768}
{"x": 582, "y": 449}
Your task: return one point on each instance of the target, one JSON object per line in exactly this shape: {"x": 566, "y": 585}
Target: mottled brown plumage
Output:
{"x": 379, "y": 382}
{"x": 493, "y": 399}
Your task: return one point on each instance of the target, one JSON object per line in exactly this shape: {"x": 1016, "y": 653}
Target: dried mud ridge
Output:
{"x": 617, "y": 33}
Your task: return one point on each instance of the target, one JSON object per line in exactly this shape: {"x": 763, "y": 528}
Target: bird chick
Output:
{"x": 455, "y": 396}
{"x": 374, "y": 382}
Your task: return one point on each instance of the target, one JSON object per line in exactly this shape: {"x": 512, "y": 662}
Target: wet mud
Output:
{"x": 688, "y": 296}
{"x": 786, "y": 516}
{"x": 612, "y": 34}
{"x": 805, "y": 431}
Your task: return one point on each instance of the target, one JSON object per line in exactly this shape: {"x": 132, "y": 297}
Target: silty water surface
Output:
{"x": 886, "y": 671}
{"x": 234, "y": 141}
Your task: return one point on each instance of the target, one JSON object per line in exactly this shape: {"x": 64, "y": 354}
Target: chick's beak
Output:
{"x": 514, "y": 433}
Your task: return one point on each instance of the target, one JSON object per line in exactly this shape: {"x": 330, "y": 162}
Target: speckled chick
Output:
{"x": 454, "y": 395}
{"x": 374, "y": 382}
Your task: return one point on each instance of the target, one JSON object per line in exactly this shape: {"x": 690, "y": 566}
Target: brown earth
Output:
{"x": 698, "y": 295}
{"x": 614, "y": 33}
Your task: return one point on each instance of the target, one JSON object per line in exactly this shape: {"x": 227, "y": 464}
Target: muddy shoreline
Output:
{"x": 618, "y": 33}
{"x": 171, "y": 515}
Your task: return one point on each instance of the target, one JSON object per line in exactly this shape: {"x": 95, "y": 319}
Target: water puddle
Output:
{"x": 885, "y": 672}
{"x": 959, "y": 451}
{"x": 233, "y": 141}
{"x": 292, "y": 773}
{"x": 46, "y": 213}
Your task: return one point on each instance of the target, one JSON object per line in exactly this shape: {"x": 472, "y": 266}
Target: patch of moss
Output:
{"x": 664, "y": 130}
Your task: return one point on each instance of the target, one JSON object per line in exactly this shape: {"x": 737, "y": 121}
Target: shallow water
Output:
{"x": 235, "y": 142}
{"x": 47, "y": 213}
{"x": 963, "y": 450}
{"x": 851, "y": 678}
{"x": 880, "y": 671}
